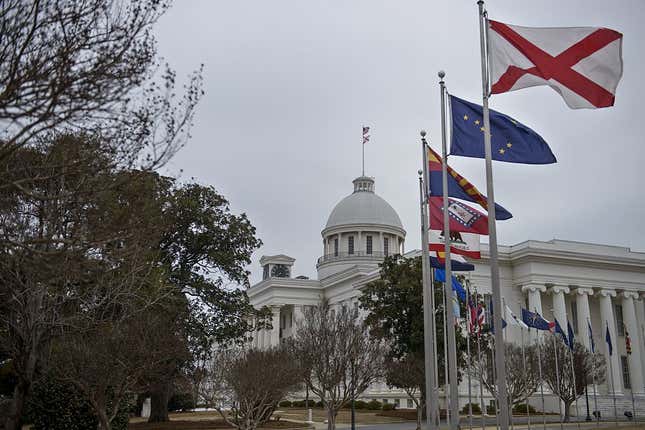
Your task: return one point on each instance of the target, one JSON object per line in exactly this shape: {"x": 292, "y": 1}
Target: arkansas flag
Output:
{"x": 583, "y": 64}
{"x": 462, "y": 217}
{"x": 466, "y": 244}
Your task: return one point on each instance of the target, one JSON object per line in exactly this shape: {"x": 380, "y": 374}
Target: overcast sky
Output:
{"x": 290, "y": 83}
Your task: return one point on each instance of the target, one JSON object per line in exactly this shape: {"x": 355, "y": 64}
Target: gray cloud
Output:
{"x": 290, "y": 83}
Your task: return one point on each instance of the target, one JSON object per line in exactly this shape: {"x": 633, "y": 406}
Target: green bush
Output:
{"x": 288, "y": 404}
{"x": 521, "y": 409}
{"x": 477, "y": 410}
{"x": 360, "y": 404}
{"x": 374, "y": 405}
{"x": 389, "y": 406}
{"x": 303, "y": 403}
{"x": 319, "y": 404}
{"x": 181, "y": 402}
{"x": 55, "y": 405}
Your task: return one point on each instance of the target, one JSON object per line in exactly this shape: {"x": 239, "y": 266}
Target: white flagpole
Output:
{"x": 557, "y": 378}
{"x": 445, "y": 360}
{"x": 468, "y": 324}
{"x": 428, "y": 301}
{"x": 593, "y": 372}
{"x": 613, "y": 387}
{"x": 481, "y": 378}
{"x": 528, "y": 414}
{"x": 539, "y": 344}
{"x": 575, "y": 388}
{"x": 450, "y": 295}
{"x": 492, "y": 231}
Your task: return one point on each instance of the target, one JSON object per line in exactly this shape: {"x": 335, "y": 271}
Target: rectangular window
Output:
{"x": 368, "y": 245}
{"x": 350, "y": 245}
{"x": 386, "y": 246}
{"x": 265, "y": 274}
{"x": 625, "y": 366}
{"x": 620, "y": 325}
{"x": 335, "y": 247}
{"x": 410, "y": 404}
{"x": 397, "y": 403}
{"x": 574, "y": 316}
{"x": 386, "y": 401}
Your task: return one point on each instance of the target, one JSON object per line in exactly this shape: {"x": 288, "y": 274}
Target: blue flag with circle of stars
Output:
{"x": 510, "y": 141}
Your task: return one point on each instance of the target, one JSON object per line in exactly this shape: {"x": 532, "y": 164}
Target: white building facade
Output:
{"x": 570, "y": 281}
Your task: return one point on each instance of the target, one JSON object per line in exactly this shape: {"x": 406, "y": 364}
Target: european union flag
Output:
{"x": 510, "y": 141}
{"x": 534, "y": 320}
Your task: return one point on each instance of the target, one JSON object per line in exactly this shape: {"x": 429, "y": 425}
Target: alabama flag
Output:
{"x": 466, "y": 244}
{"x": 583, "y": 64}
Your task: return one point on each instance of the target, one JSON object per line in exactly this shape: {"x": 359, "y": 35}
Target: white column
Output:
{"x": 559, "y": 306}
{"x": 640, "y": 319}
{"x": 633, "y": 359}
{"x": 380, "y": 239}
{"x": 535, "y": 304}
{"x": 274, "y": 339}
{"x": 607, "y": 319}
{"x": 584, "y": 315}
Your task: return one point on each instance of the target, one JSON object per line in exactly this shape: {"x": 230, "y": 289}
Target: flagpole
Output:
{"x": 445, "y": 360}
{"x": 613, "y": 387}
{"x": 484, "y": 412}
{"x": 492, "y": 232}
{"x": 528, "y": 414}
{"x": 573, "y": 375}
{"x": 539, "y": 344}
{"x": 557, "y": 378}
{"x": 468, "y": 325}
{"x": 593, "y": 372}
{"x": 428, "y": 301}
{"x": 363, "y": 158}
{"x": 452, "y": 344}
{"x": 510, "y": 407}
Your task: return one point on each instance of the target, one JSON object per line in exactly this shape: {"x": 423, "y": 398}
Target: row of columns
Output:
{"x": 629, "y": 300}
{"x": 271, "y": 337}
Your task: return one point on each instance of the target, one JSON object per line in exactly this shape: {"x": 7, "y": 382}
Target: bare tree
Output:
{"x": 245, "y": 386}
{"x": 82, "y": 64}
{"x": 522, "y": 375}
{"x": 343, "y": 359}
{"x": 408, "y": 374}
{"x": 560, "y": 379}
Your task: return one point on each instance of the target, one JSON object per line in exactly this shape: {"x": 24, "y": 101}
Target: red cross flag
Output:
{"x": 583, "y": 64}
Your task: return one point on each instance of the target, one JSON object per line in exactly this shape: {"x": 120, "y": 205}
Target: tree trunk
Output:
{"x": 104, "y": 422}
{"x": 14, "y": 418}
{"x": 567, "y": 411}
{"x": 159, "y": 398}
{"x": 331, "y": 418}
{"x": 419, "y": 415}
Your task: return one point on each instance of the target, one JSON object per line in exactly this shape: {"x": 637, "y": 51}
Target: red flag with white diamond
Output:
{"x": 583, "y": 64}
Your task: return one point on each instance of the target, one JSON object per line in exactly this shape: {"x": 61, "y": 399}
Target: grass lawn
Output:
{"x": 201, "y": 421}
{"x": 344, "y": 416}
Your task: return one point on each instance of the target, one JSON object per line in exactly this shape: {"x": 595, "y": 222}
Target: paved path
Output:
{"x": 520, "y": 424}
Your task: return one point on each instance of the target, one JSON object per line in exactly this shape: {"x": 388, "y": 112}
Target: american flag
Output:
{"x": 477, "y": 315}
{"x": 366, "y": 137}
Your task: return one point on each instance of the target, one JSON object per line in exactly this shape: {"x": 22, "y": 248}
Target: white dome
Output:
{"x": 363, "y": 207}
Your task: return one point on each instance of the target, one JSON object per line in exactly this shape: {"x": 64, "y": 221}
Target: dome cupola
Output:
{"x": 362, "y": 229}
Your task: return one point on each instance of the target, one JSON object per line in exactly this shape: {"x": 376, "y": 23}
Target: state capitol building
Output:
{"x": 570, "y": 281}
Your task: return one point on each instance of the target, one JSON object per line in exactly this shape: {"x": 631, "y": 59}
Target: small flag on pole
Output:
{"x": 558, "y": 330}
{"x": 570, "y": 333}
{"x": 457, "y": 262}
{"x": 366, "y": 136}
{"x": 534, "y": 320}
{"x": 466, "y": 244}
{"x": 591, "y": 342}
{"x": 462, "y": 217}
{"x": 583, "y": 64}
{"x": 440, "y": 276}
{"x": 510, "y": 141}
{"x": 610, "y": 347}
{"x": 458, "y": 186}
{"x": 513, "y": 319}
